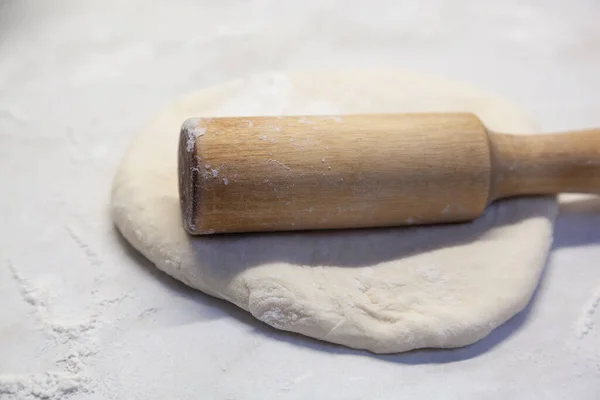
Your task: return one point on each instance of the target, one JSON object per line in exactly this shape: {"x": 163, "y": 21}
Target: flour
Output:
{"x": 90, "y": 254}
{"x": 586, "y": 322}
{"x": 279, "y": 163}
{"x": 77, "y": 339}
{"x": 194, "y": 131}
{"x": 45, "y": 385}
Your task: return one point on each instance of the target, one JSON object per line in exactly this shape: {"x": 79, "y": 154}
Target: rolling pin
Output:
{"x": 253, "y": 174}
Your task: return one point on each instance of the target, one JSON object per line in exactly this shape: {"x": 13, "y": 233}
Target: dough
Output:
{"x": 384, "y": 290}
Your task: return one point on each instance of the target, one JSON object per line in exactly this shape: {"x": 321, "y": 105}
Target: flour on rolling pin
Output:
{"x": 193, "y": 131}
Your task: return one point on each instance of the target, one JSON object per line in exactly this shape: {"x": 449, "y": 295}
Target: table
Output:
{"x": 84, "y": 315}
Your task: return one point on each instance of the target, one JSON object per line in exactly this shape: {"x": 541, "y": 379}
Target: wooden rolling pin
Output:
{"x": 326, "y": 172}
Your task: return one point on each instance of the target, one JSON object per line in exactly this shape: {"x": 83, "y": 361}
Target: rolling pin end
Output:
{"x": 189, "y": 174}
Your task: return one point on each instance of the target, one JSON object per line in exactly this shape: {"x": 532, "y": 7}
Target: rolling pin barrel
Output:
{"x": 329, "y": 172}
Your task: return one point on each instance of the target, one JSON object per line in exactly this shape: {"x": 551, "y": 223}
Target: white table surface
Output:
{"x": 82, "y": 314}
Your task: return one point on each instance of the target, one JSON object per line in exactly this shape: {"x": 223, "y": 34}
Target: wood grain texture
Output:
{"x": 326, "y": 172}
{"x": 330, "y": 172}
{"x": 545, "y": 164}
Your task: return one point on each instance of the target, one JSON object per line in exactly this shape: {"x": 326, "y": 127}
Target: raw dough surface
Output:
{"x": 385, "y": 290}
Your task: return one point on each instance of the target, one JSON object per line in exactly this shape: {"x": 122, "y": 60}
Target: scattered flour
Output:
{"x": 586, "y": 320}
{"x": 76, "y": 339}
{"x": 44, "y": 385}
{"x": 279, "y": 163}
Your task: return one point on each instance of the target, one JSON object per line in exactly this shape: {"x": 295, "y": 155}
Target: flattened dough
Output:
{"x": 384, "y": 290}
